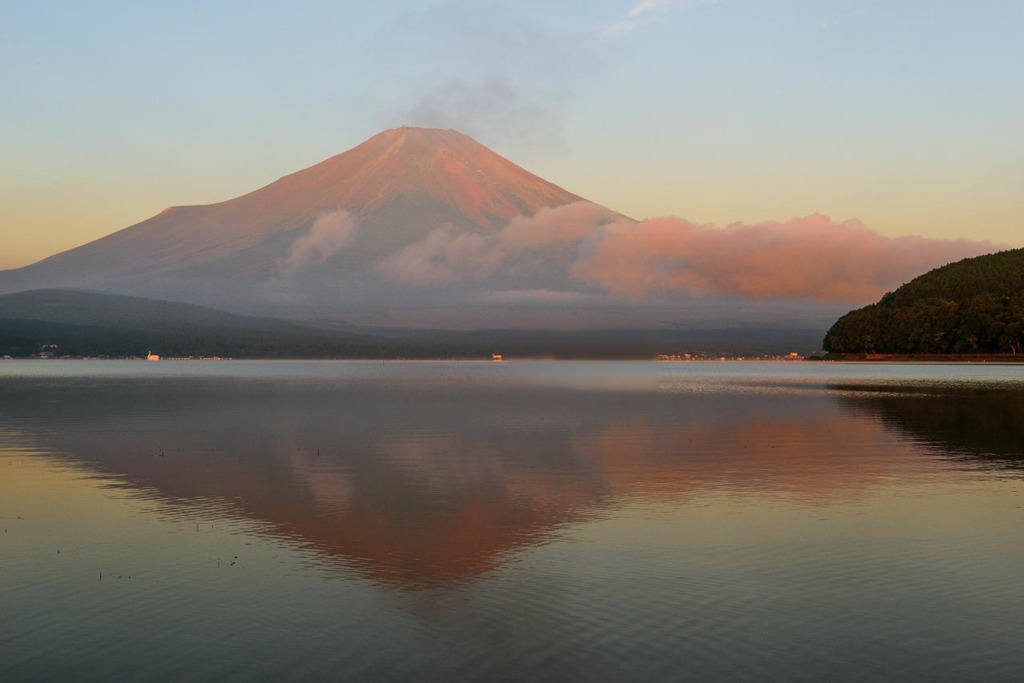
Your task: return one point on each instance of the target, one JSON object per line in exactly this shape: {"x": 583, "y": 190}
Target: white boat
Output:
{"x": 152, "y": 356}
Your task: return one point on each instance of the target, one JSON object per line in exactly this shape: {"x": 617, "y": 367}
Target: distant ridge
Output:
{"x": 96, "y": 323}
{"x": 78, "y": 307}
{"x": 83, "y": 323}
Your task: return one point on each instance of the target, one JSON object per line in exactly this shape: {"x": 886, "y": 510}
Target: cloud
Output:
{"x": 646, "y": 6}
{"x": 496, "y": 71}
{"x": 810, "y": 258}
{"x": 445, "y": 255}
{"x": 828, "y": 23}
{"x": 804, "y": 258}
{"x": 473, "y": 38}
{"x": 328, "y": 235}
{"x": 555, "y": 225}
{"x": 638, "y": 15}
{"x": 489, "y": 109}
{"x": 449, "y": 255}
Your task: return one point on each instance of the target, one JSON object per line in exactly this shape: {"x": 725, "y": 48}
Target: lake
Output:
{"x": 536, "y": 521}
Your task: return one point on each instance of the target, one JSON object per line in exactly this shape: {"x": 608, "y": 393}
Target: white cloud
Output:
{"x": 625, "y": 26}
{"x": 449, "y": 255}
{"x": 828, "y": 23}
{"x": 639, "y": 14}
{"x": 445, "y": 255}
{"x": 328, "y": 235}
{"x": 647, "y": 6}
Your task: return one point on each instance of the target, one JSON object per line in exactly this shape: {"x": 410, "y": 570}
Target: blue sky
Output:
{"x": 906, "y": 115}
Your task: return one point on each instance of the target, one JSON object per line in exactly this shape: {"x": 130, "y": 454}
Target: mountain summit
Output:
{"x": 426, "y": 164}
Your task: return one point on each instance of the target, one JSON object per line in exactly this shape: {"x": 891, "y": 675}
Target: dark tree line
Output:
{"x": 972, "y": 306}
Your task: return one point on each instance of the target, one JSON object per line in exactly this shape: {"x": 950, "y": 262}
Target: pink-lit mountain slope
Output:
{"x": 415, "y": 227}
{"x": 398, "y": 187}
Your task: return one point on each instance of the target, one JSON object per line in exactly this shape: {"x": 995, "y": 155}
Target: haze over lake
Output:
{"x": 510, "y": 521}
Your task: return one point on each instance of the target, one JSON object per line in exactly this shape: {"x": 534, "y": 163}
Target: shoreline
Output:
{"x": 923, "y": 358}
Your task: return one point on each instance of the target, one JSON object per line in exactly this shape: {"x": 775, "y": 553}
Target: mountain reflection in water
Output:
{"x": 423, "y": 486}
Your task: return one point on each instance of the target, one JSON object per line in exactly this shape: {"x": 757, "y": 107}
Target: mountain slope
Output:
{"x": 972, "y": 306}
{"x": 398, "y": 185}
{"x": 414, "y": 228}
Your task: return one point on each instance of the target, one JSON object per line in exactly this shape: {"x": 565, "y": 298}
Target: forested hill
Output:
{"x": 971, "y": 306}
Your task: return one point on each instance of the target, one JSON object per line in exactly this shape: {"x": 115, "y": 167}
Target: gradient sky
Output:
{"x": 907, "y": 115}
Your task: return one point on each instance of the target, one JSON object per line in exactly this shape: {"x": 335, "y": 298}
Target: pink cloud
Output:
{"x": 804, "y": 258}
{"x": 809, "y": 258}
{"x": 558, "y": 225}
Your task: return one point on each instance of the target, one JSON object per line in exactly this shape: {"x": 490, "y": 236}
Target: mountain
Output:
{"x": 396, "y": 187}
{"x": 414, "y": 228}
{"x": 972, "y": 306}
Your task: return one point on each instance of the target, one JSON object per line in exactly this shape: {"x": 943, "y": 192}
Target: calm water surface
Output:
{"x": 510, "y": 521}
